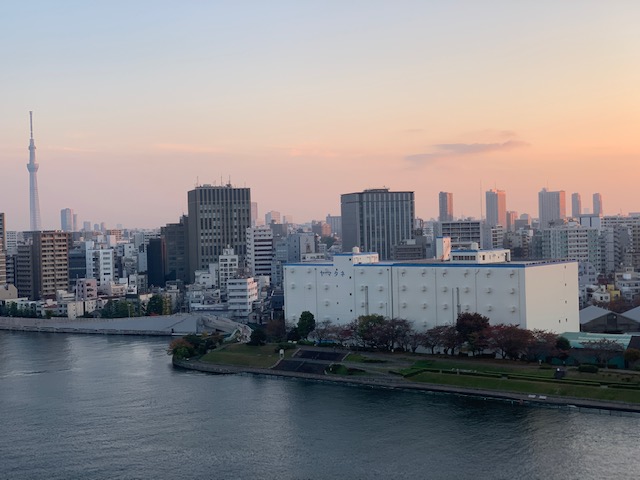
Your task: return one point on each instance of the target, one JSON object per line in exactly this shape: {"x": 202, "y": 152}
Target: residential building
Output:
{"x": 218, "y": 219}
{"x": 551, "y": 207}
{"x": 259, "y": 250}
{"x": 66, "y": 220}
{"x": 576, "y": 205}
{"x": 445, "y": 202}
{"x": 42, "y": 266}
{"x": 241, "y": 293}
{"x": 512, "y": 216}
{"x": 375, "y": 220}
{"x": 462, "y": 232}
{"x": 572, "y": 242}
{"x": 3, "y": 230}
{"x": 597, "y": 204}
{"x": 156, "y": 260}
{"x": 177, "y": 250}
{"x": 496, "y": 206}
{"x": 228, "y": 267}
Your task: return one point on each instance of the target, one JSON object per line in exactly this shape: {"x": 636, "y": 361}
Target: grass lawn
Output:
{"x": 246, "y": 356}
{"x": 533, "y": 387}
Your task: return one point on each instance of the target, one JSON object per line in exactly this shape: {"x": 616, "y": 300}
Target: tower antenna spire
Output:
{"x": 32, "y": 167}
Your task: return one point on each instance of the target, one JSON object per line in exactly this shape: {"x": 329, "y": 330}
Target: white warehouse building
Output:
{"x": 532, "y": 295}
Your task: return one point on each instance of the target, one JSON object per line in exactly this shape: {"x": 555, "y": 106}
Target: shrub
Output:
{"x": 588, "y": 368}
{"x": 284, "y": 346}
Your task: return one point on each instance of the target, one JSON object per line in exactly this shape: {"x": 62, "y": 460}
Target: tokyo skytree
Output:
{"x": 32, "y": 166}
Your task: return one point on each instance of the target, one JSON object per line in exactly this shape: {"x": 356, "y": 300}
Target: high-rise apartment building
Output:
{"x": 445, "y": 202}
{"x": 3, "y": 231}
{"x": 42, "y": 267}
{"x": 218, "y": 219}
{"x": 66, "y": 220}
{"x": 3, "y": 251}
{"x": 512, "y": 216}
{"x": 259, "y": 250}
{"x": 156, "y": 260}
{"x": 177, "y": 250}
{"x": 375, "y": 220}
{"x": 576, "y": 205}
{"x": 573, "y": 242}
{"x": 597, "y": 204}
{"x": 551, "y": 207}
{"x": 496, "y": 208}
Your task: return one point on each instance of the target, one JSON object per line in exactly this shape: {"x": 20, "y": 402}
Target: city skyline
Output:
{"x": 303, "y": 102}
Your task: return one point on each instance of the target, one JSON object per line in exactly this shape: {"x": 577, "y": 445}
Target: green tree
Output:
{"x": 510, "y": 341}
{"x": 306, "y": 324}
{"x": 603, "y": 350}
{"x": 369, "y": 330}
{"x": 258, "y": 337}
{"x": 180, "y": 348}
{"x": 155, "y": 305}
{"x": 631, "y": 356}
{"x": 471, "y": 325}
{"x": 563, "y": 344}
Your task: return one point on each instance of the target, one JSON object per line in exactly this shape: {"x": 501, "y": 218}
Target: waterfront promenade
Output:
{"x": 163, "y": 325}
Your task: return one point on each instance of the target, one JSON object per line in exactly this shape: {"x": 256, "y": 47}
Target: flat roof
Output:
{"x": 441, "y": 263}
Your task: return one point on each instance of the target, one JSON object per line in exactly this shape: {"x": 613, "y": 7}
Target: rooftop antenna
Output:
{"x": 31, "y": 123}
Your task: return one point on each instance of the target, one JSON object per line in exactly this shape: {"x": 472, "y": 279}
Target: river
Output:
{"x": 111, "y": 407}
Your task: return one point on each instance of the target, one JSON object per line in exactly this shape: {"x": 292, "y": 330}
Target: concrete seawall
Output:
{"x": 90, "y": 331}
{"x": 81, "y": 326}
{"x": 573, "y": 404}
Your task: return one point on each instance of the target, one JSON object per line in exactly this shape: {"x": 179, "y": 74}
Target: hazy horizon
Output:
{"x": 136, "y": 102}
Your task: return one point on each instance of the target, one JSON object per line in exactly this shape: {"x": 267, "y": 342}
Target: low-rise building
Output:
{"x": 429, "y": 293}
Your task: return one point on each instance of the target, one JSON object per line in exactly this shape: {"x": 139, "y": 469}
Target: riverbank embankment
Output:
{"x": 165, "y": 325}
{"x": 400, "y": 383}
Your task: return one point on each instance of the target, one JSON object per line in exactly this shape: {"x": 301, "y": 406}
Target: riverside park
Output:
{"x": 525, "y": 383}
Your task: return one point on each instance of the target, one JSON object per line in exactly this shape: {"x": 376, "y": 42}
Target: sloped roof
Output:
{"x": 577, "y": 339}
{"x": 591, "y": 313}
{"x": 633, "y": 314}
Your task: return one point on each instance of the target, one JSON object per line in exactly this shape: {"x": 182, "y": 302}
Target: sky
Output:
{"x": 136, "y": 102}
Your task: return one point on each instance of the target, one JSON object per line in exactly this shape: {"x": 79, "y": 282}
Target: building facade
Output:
{"x": 576, "y": 205}
{"x": 218, "y": 218}
{"x": 551, "y": 207}
{"x": 445, "y": 205}
{"x": 597, "y": 204}
{"x": 496, "y": 205}
{"x": 375, "y": 220}
{"x": 530, "y": 295}
{"x": 462, "y": 232}
{"x": 259, "y": 250}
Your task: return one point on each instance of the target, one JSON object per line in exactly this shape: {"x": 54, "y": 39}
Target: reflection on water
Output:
{"x": 113, "y": 407}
